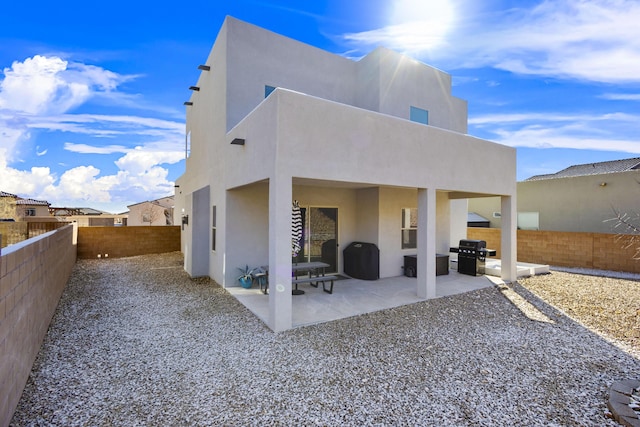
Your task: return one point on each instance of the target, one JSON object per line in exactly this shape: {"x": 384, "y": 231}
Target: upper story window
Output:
{"x": 419, "y": 115}
{"x": 30, "y": 212}
{"x": 268, "y": 89}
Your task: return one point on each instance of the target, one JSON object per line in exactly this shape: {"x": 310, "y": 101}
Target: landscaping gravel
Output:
{"x": 135, "y": 341}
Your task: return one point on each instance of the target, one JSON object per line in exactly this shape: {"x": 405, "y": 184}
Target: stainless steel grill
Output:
{"x": 472, "y": 256}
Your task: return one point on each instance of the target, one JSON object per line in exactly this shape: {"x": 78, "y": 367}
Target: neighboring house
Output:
{"x": 8, "y": 207}
{"x": 31, "y": 208}
{"x": 154, "y": 212}
{"x": 580, "y": 198}
{"x": 88, "y": 217}
{"x": 359, "y": 144}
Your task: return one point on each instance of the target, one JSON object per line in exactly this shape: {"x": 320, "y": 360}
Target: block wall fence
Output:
{"x": 33, "y": 275}
{"x": 567, "y": 249}
{"x": 118, "y": 242}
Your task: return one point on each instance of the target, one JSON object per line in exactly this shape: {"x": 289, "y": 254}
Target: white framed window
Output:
{"x": 528, "y": 220}
{"x": 409, "y": 228}
{"x": 30, "y": 212}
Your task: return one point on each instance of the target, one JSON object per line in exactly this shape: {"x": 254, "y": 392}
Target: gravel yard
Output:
{"x": 134, "y": 341}
{"x": 608, "y": 306}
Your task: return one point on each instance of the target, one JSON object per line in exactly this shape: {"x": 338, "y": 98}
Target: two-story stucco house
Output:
{"x": 359, "y": 144}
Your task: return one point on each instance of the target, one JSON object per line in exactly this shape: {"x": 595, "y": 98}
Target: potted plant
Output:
{"x": 246, "y": 276}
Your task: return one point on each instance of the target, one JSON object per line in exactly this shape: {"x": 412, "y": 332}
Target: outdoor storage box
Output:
{"x": 411, "y": 265}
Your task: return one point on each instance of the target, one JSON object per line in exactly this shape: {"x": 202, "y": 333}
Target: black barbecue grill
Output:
{"x": 471, "y": 256}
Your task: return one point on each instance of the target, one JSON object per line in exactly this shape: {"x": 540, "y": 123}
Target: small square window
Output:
{"x": 419, "y": 115}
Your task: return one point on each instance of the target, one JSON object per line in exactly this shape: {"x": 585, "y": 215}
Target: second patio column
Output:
{"x": 426, "y": 261}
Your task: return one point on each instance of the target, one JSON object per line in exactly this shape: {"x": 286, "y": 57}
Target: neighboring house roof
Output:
{"x": 474, "y": 217}
{"x": 165, "y": 202}
{"x": 32, "y": 202}
{"x": 66, "y": 211}
{"x": 593, "y": 169}
{"x": 5, "y": 194}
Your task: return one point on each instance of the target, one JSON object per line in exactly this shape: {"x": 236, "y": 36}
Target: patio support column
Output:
{"x": 280, "y": 303}
{"x": 426, "y": 261}
{"x": 509, "y": 239}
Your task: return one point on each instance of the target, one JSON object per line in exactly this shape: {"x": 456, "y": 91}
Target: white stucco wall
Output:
{"x": 392, "y": 83}
{"x": 363, "y": 146}
{"x": 367, "y": 225}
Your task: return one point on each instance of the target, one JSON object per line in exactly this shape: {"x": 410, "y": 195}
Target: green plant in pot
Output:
{"x": 246, "y": 277}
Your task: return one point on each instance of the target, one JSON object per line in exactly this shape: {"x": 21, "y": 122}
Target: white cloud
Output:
{"x": 30, "y": 182}
{"x": 90, "y": 149}
{"x": 51, "y": 85}
{"x": 41, "y": 86}
{"x": 36, "y": 96}
{"x": 592, "y": 40}
{"x": 140, "y": 161}
{"x": 621, "y": 96}
{"x": 557, "y": 130}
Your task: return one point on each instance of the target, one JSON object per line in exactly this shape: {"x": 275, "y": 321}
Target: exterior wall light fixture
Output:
{"x": 238, "y": 141}
{"x": 603, "y": 184}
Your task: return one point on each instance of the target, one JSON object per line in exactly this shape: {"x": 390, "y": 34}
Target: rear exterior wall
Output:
{"x": 117, "y": 242}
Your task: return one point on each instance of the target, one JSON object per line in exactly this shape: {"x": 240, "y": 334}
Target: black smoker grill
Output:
{"x": 362, "y": 261}
{"x": 471, "y": 256}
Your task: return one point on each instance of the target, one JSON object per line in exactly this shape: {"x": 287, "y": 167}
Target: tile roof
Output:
{"x": 5, "y": 194}
{"x": 32, "y": 202}
{"x": 593, "y": 169}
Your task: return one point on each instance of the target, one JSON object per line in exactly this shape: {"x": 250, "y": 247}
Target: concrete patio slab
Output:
{"x": 352, "y": 297}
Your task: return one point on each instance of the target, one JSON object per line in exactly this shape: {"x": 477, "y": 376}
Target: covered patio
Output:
{"x": 353, "y": 297}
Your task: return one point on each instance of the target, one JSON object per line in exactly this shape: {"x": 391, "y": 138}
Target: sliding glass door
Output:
{"x": 320, "y": 236}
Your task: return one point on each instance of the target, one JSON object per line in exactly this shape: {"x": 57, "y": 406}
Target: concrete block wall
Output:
{"x": 33, "y": 275}
{"x": 13, "y": 232}
{"x": 118, "y": 242}
{"x": 601, "y": 251}
{"x": 489, "y": 235}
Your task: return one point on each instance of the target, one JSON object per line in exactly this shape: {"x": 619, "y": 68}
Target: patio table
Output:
{"x": 313, "y": 269}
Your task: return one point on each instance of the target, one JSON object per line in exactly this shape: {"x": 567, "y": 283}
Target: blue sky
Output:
{"x": 91, "y": 93}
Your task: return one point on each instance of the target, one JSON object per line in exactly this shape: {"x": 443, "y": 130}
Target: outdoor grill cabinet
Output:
{"x": 411, "y": 265}
{"x": 362, "y": 261}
